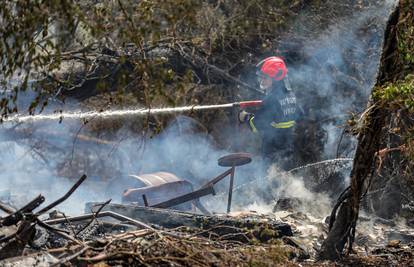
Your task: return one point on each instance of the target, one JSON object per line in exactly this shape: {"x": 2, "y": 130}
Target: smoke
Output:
{"x": 335, "y": 78}
{"x": 261, "y": 195}
{"x": 293, "y": 187}
{"x": 42, "y": 162}
{"x": 339, "y": 69}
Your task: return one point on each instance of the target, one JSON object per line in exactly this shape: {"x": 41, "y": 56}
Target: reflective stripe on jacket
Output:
{"x": 252, "y": 126}
{"x": 277, "y": 125}
{"x": 283, "y": 125}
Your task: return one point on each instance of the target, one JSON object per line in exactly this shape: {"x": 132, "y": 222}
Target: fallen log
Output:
{"x": 223, "y": 227}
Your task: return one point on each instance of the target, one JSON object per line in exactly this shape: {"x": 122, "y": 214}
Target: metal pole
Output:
{"x": 144, "y": 197}
{"x": 233, "y": 169}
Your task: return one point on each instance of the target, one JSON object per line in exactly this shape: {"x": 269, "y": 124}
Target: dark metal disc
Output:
{"x": 235, "y": 159}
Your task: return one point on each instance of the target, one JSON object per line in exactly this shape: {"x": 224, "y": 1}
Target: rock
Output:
{"x": 287, "y": 204}
{"x": 303, "y": 252}
{"x": 394, "y": 243}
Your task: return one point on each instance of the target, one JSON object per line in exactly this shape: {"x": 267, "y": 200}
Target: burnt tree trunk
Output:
{"x": 368, "y": 145}
{"x": 369, "y": 139}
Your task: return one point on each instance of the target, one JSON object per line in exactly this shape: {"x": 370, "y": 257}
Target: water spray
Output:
{"x": 338, "y": 163}
{"x": 128, "y": 112}
{"x": 332, "y": 164}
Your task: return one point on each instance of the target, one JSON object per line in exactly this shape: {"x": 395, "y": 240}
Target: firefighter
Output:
{"x": 276, "y": 117}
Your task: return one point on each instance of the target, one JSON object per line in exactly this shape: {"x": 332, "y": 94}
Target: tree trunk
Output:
{"x": 342, "y": 229}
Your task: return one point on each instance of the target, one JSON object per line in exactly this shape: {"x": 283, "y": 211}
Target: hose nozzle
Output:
{"x": 246, "y": 104}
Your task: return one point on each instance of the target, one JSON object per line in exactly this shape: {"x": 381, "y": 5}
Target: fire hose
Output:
{"x": 128, "y": 112}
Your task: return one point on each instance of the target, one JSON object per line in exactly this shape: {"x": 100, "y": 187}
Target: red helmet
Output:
{"x": 274, "y": 67}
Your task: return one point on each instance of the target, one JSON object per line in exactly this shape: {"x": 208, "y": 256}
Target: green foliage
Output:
{"x": 402, "y": 61}
{"x": 49, "y": 34}
{"x": 405, "y": 34}
{"x": 398, "y": 99}
{"x": 27, "y": 44}
{"x": 397, "y": 95}
{"x": 152, "y": 44}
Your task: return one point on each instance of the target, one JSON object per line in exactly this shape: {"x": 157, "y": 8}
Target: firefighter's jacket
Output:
{"x": 276, "y": 117}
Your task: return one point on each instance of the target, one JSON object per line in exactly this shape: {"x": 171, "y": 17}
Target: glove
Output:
{"x": 244, "y": 116}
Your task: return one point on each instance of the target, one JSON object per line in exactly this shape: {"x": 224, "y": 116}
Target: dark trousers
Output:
{"x": 278, "y": 149}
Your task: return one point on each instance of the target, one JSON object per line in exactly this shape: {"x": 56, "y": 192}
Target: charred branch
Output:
{"x": 20, "y": 214}
{"x": 27, "y": 220}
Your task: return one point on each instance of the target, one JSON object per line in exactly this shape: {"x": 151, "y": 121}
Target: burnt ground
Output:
{"x": 115, "y": 234}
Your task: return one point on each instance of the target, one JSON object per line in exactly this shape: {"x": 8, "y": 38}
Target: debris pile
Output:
{"x": 149, "y": 236}
{"x": 130, "y": 234}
